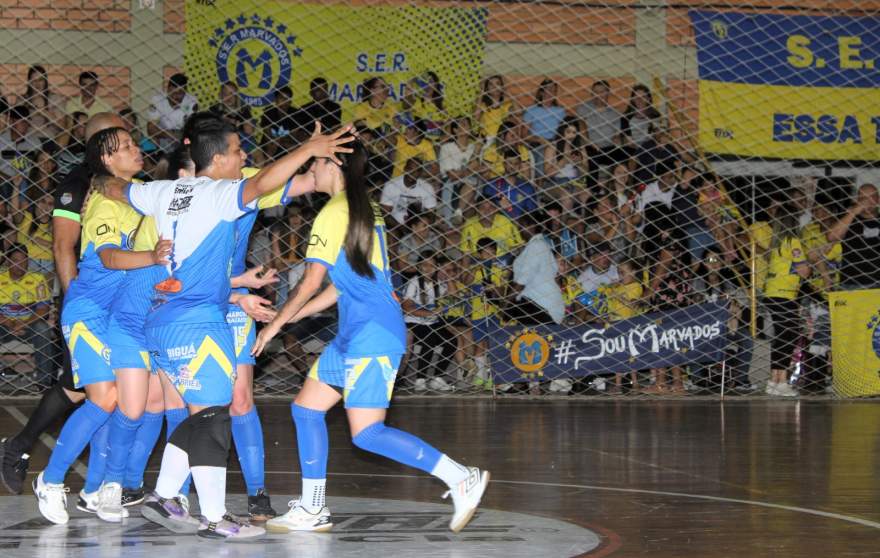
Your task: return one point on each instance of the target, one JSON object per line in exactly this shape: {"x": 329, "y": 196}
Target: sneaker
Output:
{"x": 52, "y": 499}
{"x": 560, "y": 385}
{"x": 88, "y": 501}
{"x": 183, "y": 502}
{"x": 259, "y": 507}
{"x": 170, "y": 514}
{"x": 786, "y": 390}
{"x": 439, "y": 384}
{"x": 132, "y": 496}
{"x": 13, "y": 466}
{"x": 229, "y": 527}
{"x": 110, "y": 503}
{"x": 420, "y": 384}
{"x": 466, "y": 497}
{"x": 298, "y": 518}
{"x": 772, "y": 388}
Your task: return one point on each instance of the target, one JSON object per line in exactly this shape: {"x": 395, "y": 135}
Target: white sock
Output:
{"x": 211, "y": 485}
{"x": 313, "y": 494}
{"x": 449, "y": 471}
{"x": 173, "y": 472}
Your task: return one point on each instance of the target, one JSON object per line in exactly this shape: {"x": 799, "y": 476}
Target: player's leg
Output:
{"x": 99, "y": 449}
{"x": 145, "y": 440}
{"x": 175, "y": 413}
{"x": 320, "y": 392}
{"x": 369, "y": 384}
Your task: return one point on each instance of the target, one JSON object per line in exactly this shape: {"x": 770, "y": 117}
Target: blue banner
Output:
{"x": 693, "y": 334}
{"x": 792, "y": 50}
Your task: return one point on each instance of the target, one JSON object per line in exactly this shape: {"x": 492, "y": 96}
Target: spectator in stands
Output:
{"x": 421, "y": 306}
{"x": 407, "y": 192}
{"x": 688, "y": 215}
{"x": 493, "y": 107}
{"x": 543, "y": 119}
{"x": 321, "y": 108}
{"x": 43, "y": 175}
{"x": 824, "y": 255}
{"x": 25, "y": 301}
{"x": 490, "y": 223}
{"x": 787, "y": 266}
{"x": 289, "y": 244}
{"x": 859, "y": 232}
{"x": 488, "y": 282}
{"x": 654, "y": 205}
{"x": 613, "y": 227}
{"x": 379, "y": 164}
{"x": 277, "y": 122}
{"x": 601, "y": 272}
{"x": 454, "y": 312}
{"x": 576, "y": 303}
{"x": 603, "y": 127}
{"x": 228, "y": 103}
{"x": 566, "y": 163}
{"x": 623, "y": 300}
{"x": 720, "y": 212}
{"x": 72, "y": 148}
{"x": 429, "y": 106}
{"x": 420, "y": 240}
{"x": 47, "y": 108}
{"x": 535, "y": 296}
{"x": 168, "y": 111}
{"x": 639, "y": 125}
{"x": 18, "y": 145}
{"x": 31, "y": 215}
{"x": 88, "y": 100}
{"x": 149, "y": 149}
{"x": 508, "y": 138}
{"x": 512, "y": 192}
{"x": 459, "y": 164}
{"x": 375, "y": 111}
{"x": 412, "y": 143}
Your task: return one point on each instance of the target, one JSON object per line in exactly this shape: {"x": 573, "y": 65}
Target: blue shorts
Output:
{"x": 367, "y": 382}
{"x": 484, "y": 327}
{"x": 89, "y": 351}
{"x": 128, "y": 345}
{"x": 245, "y": 333}
{"x": 199, "y": 359}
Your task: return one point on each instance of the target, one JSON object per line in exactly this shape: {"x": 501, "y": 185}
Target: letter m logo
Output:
{"x": 262, "y": 66}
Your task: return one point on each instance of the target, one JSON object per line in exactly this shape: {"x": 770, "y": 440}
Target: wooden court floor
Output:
{"x": 608, "y": 478}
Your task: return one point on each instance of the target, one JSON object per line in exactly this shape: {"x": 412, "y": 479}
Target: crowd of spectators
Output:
{"x": 513, "y": 214}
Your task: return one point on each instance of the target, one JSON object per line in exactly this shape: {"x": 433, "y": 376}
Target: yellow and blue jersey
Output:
{"x": 20, "y": 298}
{"x": 106, "y": 224}
{"x": 370, "y": 318}
{"x": 783, "y": 280}
{"x": 484, "y": 276}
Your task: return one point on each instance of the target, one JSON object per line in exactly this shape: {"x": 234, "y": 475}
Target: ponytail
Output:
{"x": 361, "y": 217}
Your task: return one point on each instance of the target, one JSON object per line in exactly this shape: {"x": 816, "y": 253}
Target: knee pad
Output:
{"x": 210, "y": 437}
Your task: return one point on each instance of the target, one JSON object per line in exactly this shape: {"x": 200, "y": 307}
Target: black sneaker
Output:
{"x": 259, "y": 507}
{"x": 132, "y": 496}
{"x": 13, "y": 466}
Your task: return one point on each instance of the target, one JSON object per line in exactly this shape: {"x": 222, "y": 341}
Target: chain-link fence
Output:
{"x": 614, "y": 197}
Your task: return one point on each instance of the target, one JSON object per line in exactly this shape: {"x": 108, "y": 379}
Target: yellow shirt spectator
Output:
{"x": 783, "y": 280}
{"x": 75, "y": 104}
{"x": 375, "y": 118}
{"x": 813, "y": 238}
{"x": 404, "y": 151}
{"x": 480, "y": 307}
{"x": 20, "y": 298}
{"x": 622, "y": 300}
{"x": 763, "y": 233}
{"x": 491, "y": 118}
{"x": 503, "y": 231}
{"x": 493, "y": 159}
{"x": 43, "y": 232}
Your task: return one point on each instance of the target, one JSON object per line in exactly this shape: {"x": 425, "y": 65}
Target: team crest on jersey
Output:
{"x": 255, "y": 53}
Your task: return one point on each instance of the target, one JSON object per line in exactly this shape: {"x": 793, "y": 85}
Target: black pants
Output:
{"x": 527, "y": 313}
{"x": 426, "y": 338}
{"x": 786, "y": 331}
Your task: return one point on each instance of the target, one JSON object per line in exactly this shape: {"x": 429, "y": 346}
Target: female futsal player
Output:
{"x": 360, "y": 365}
{"x": 109, "y": 228}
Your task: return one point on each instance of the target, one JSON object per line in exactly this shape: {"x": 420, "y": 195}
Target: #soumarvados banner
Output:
{"x": 855, "y": 342}
{"x": 694, "y": 334}
{"x": 261, "y": 46}
{"x": 795, "y": 87}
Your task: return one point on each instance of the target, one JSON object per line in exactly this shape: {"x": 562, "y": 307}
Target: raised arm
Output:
{"x": 116, "y": 258}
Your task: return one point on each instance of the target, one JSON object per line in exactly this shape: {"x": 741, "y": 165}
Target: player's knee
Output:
{"x": 242, "y": 401}
{"x": 104, "y": 398}
{"x": 210, "y": 437}
{"x": 365, "y": 437}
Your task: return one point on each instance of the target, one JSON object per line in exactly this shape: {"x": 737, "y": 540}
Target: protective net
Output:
{"x": 613, "y": 197}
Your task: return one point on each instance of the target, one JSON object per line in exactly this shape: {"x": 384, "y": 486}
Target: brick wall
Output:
{"x": 80, "y": 15}
{"x": 115, "y": 81}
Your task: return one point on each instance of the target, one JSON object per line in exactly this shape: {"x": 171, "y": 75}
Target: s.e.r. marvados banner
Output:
{"x": 261, "y": 46}
{"x": 793, "y": 87}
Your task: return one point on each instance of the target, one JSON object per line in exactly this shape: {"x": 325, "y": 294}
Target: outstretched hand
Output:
{"x": 328, "y": 145}
{"x": 264, "y": 337}
{"x": 257, "y": 307}
{"x": 258, "y": 277}
{"x": 161, "y": 251}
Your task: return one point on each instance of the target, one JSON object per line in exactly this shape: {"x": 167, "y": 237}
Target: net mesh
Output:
{"x": 614, "y": 197}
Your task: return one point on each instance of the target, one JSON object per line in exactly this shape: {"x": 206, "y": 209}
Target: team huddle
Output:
{"x": 159, "y": 322}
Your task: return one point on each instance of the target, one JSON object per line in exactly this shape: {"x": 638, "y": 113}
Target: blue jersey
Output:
{"x": 133, "y": 301}
{"x": 370, "y": 318}
{"x": 199, "y": 216}
{"x": 106, "y": 224}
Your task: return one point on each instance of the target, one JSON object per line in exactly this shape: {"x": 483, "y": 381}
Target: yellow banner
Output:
{"x": 855, "y": 342}
{"x": 790, "y": 122}
{"x": 261, "y": 46}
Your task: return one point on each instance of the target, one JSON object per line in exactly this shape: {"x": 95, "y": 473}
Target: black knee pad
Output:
{"x": 210, "y": 438}
{"x": 181, "y": 435}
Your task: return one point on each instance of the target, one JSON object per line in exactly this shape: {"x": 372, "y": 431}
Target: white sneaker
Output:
{"x": 439, "y": 384}
{"x": 466, "y": 497}
{"x": 184, "y": 502}
{"x": 110, "y": 503}
{"x": 786, "y": 390}
{"x": 52, "y": 499}
{"x": 298, "y": 518}
{"x": 88, "y": 501}
{"x": 420, "y": 384}
{"x": 560, "y": 385}
{"x": 772, "y": 388}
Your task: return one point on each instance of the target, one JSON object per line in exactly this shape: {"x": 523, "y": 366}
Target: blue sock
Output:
{"x": 398, "y": 445}
{"x": 123, "y": 430}
{"x": 144, "y": 442}
{"x": 98, "y": 450}
{"x": 312, "y": 441}
{"x": 174, "y": 417}
{"x": 75, "y": 434}
{"x": 247, "y": 433}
